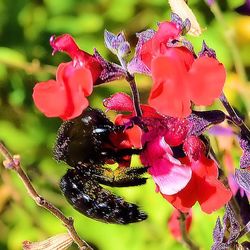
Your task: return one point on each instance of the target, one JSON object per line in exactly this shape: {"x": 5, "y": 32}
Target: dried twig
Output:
{"x": 13, "y": 162}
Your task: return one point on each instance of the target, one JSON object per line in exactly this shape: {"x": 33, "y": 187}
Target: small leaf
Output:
{"x": 117, "y": 44}
{"x": 110, "y": 72}
{"x": 206, "y": 51}
{"x": 242, "y": 176}
{"x": 245, "y": 158}
{"x": 201, "y": 120}
{"x": 218, "y": 233}
{"x": 231, "y": 225}
{"x": 136, "y": 65}
{"x": 244, "y": 206}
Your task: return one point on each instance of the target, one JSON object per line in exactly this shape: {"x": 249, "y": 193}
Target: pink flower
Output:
{"x": 169, "y": 174}
{"x": 65, "y": 97}
{"x": 204, "y": 185}
{"x": 186, "y": 180}
{"x": 178, "y": 77}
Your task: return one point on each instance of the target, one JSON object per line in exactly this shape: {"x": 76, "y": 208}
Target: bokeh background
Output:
{"x": 25, "y": 58}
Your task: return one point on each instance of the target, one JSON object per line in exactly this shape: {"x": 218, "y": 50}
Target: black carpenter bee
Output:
{"x": 84, "y": 144}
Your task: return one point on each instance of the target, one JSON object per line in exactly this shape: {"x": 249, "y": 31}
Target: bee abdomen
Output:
{"x": 92, "y": 200}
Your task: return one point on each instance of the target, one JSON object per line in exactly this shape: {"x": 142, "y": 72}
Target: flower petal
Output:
{"x": 50, "y": 98}
{"x": 81, "y": 78}
{"x": 205, "y": 80}
{"x": 170, "y": 175}
{"x": 155, "y": 148}
{"x": 186, "y": 198}
{"x": 169, "y": 95}
{"x": 212, "y": 195}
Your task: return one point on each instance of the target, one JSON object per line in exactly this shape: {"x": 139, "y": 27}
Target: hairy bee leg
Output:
{"x": 90, "y": 199}
{"x": 118, "y": 154}
{"x": 137, "y": 170}
{"x": 120, "y": 177}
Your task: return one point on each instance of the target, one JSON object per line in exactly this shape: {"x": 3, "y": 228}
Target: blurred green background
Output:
{"x": 25, "y": 58}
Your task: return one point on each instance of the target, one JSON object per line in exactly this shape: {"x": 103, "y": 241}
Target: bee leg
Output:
{"x": 92, "y": 200}
{"x": 120, "y": 177}
{"x": 121, "y": 155}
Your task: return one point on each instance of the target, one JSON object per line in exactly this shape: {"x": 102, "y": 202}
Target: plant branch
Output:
{"x": 13, "y": 162}
{"x": 188, "y": 242}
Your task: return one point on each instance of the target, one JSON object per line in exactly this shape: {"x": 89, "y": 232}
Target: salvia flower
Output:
{"x": 169, "y": 174}
{"x": 204, "y": 185}
{"x": 179, "y": 77}
{"x": 184, "y": 181}
{"x": 176, "y": 156}
{"x": 66, "y": 97}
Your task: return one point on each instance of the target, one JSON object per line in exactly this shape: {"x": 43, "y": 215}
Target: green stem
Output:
{"x": 185, "y": 238}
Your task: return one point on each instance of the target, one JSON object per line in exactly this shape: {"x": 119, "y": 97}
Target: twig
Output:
{"x": 188, "y": 242}
{"x": 13, "y": 162}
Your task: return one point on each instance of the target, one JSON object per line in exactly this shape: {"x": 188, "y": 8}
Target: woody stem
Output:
{"x": 12, "y": 162}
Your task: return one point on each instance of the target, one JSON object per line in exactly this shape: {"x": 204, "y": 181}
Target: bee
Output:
{"x": 84, "y": 144}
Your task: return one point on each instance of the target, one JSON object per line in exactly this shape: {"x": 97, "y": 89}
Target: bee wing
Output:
{"x": 92, "y": 200}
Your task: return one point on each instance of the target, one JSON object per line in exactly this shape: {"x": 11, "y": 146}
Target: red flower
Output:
{"x": 178, "y": 77}
{"x": 169, "y": 174}
{"x": 65, "y": 97}
{"x": 186, "y": 180}
{"x": 203, "y": 186}
{"x": 174, "y": 224}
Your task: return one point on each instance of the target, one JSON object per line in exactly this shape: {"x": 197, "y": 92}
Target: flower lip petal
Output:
{"x": 170, "y": 175}
{"x": 44, "y": 96}
{"x": 64, "y": 43}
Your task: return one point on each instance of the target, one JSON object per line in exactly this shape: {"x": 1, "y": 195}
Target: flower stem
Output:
{"x": 134, "y": 90}
{"x": 188, "y": 242}
{"x": 234, "y": 117}
{"x": 135, "y": 94}
{"x": 13, "y": 163}
{"x": 230, "y": 40}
